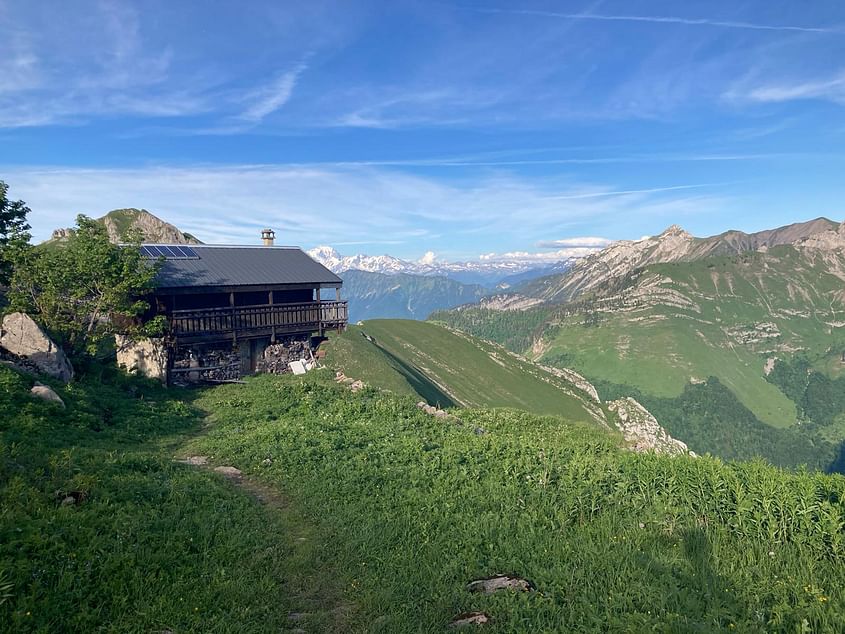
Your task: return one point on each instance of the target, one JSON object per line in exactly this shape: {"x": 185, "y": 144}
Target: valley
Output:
{"x": 663, "y": 316}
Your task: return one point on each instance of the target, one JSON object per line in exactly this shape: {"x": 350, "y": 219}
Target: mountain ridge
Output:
{"x": 674, "y": 244}
{"x": 488, "y": 273}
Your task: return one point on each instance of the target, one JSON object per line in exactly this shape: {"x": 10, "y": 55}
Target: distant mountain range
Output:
{"x": 487, "y": 273}
{"x": 375, "y": 286}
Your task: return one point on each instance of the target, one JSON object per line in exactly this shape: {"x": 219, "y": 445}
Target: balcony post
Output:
{"x": 234, "y": 317}
{"x": 272, "y": 319}
{"x": 319, "y": 313}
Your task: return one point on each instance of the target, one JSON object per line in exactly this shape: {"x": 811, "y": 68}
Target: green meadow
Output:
{"x": 358, "y": 512}
{"x": 449, "y": 368}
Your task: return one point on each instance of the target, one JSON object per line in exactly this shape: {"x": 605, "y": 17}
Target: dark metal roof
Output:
{"x": 244, "y": 266}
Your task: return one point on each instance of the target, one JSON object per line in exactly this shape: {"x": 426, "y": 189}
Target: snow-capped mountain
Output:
{"x": 488, "y": 272}
{"x": 331, "y": 259}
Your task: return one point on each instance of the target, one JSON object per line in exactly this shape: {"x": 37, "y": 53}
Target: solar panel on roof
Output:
{"x": 187, "y": 252}
{"x": 169, "y": 252}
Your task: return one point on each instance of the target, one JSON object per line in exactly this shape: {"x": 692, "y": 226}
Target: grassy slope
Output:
{"x": 660, "y": 358}
{"x": 652, "y": 349}
{"x": 660, "y": 348}
{"x": 397, "y": 510}
{"x": 448, "y": 368}
{"x": 415, "y": 508}
{"x": 156, "y": 545}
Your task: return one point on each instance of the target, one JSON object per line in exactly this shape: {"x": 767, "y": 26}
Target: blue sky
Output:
{"x": 462, "y": 128}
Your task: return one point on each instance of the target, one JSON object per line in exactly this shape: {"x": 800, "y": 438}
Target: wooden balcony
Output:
{"x": 210, "y": 324}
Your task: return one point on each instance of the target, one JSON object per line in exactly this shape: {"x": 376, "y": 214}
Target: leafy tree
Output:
{"x": 85, "y": 289}
{"x": 14, "y": 231}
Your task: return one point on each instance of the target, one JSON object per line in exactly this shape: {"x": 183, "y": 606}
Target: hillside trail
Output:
{"x": 315, "y": 589}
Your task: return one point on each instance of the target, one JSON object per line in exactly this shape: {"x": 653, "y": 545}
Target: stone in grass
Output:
{"x": 46, "y": 393}
{"x": 298, "y": 616}
{"x": 197, "y": 461}
{"x": 228, "y": 471}
{"x": 500, "y": 582}
{"x": 69, "y": 498}
{"x": 469, "y": 618}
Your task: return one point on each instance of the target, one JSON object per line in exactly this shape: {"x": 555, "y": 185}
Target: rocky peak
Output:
{"x": 61, "y": 234}
{"x": 833, "y": 239}
{"x": 152, "y": 228}
{"x": 675, "y": 231}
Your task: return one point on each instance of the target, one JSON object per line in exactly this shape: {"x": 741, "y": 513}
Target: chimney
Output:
{"x": 268, "y": 236}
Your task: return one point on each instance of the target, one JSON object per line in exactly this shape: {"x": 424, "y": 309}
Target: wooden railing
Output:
{"x": 267, "y": 318}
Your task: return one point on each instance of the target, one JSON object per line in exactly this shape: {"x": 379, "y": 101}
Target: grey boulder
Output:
{"x": 21, "y": 336}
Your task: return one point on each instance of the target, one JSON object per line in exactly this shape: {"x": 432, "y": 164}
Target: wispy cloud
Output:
{"x": 545, "y": 257}
{"x": 574, "y": 243}
{"x": 51, "y": 77}
{"x": 594, "y": 160}
{"x": 654, "y": 19}
{"x": 624, "y": 192}
{"x": 832, "y": 89}
{"x": 333, "y": 205}
{"x": 272, "y": 97}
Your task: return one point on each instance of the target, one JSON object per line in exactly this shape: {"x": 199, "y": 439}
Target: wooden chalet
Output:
{"x": 241, "y": 299}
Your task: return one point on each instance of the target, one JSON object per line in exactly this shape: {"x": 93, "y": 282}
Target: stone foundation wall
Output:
{"x": 147, "y": 357}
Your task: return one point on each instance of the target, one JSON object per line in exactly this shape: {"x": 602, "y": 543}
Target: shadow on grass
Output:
{"x": 424, "y": 386}
{"x": 693, "y": 586}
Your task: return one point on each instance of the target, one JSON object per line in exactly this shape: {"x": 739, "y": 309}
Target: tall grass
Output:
{"x": 415, "y": 507}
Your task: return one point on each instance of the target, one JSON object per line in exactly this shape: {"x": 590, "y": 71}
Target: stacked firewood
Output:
{"x": 210, "y": 365}
{"x": 278, "y": 356}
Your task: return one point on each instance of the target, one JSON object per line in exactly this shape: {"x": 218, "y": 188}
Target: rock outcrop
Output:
{"x": 641, "y": 430}
{"x": 21, "y": 336}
